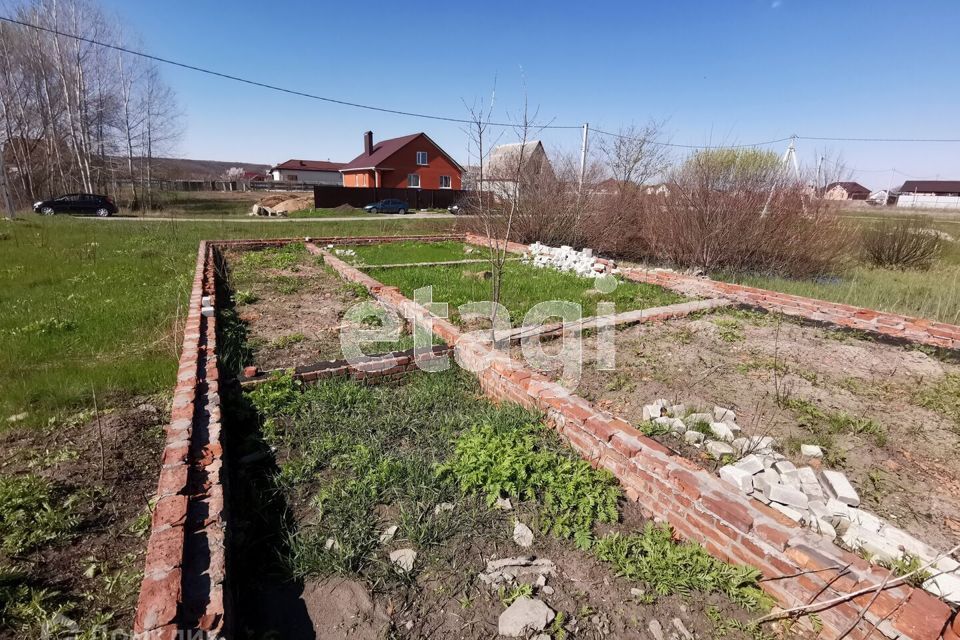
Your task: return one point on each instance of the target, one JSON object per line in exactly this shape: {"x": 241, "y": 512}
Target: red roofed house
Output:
{"x": 308, "y": 172}
{"x": 411, "y": 162}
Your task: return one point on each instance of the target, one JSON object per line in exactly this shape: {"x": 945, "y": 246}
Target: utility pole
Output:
{"x": 583, "y": 155}
{"x": 791, "y": 153}
{"x": 6, "y": 200}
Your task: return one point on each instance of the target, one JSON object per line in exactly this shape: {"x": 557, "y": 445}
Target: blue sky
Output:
{"x": 736, "y": 71}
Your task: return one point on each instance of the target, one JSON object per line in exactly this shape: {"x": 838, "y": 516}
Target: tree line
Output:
{"x": 75, "y": 116}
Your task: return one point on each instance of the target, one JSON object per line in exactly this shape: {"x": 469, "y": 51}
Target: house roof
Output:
{"x": 383, "y": 149}
{"x": 309, "y": 165}
{"x": 502, "y": 164}
{"x": 849, "y": 187}
{"x": 931, "y": 186}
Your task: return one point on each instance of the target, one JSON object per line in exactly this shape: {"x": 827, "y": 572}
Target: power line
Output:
{"x": 264, "y": 85}
{"x": 412, "y": 114}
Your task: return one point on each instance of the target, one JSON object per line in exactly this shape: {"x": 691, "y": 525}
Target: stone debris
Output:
{"x": 823, "y": 500}
{"x": 656, "y": 629}
{"x": 719, "y": 449}
{"x": 403, "y": 559}
{"x": 840, "y": 488}
{"x": 811, "y": 451}
{"x": 443, "y": 506}
{"x": 388, "y": 534}
{"x": 503, "y": 504}
{"x": 547, "y": 590}
{"x": 566, "y": 258}
{"x": 17, "y": 417}
{"x": 682, "y": 629}
{"x": 520, "y": 568}
{"x": 522, "y": 534}
{"x": 524, "y": 616}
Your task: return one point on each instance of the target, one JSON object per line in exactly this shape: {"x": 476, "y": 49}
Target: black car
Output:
{"x": 83, "y": 203}
{"x": 388, "y": 206}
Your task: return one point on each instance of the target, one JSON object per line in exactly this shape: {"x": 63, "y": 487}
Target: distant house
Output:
{"x": 409, "y": 162}
{"x": 930, "y": 194}
{"x": 527, "y": 161}
{"x": 846, "y": 191}
{"x": 308, "y": 172}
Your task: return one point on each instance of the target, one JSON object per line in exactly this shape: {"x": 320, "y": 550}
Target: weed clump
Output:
{"x": 33, "y": 513}
{"x": 500, "y": 463}
{"x": 669, "y": 567}
{"x": 901, "y": 244}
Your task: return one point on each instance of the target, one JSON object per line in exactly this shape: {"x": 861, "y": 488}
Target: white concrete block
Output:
{"x": 788, "y": 496}
{"x": 722, "y": 430}
{"x": 677, "y": 410}
{"x": 739, "y": 478}
{"x": 838, "y": 509}
{"x": 873, "y": 543}
{"x": 741, "y": 445}
{"x": 811, "y": 451}
{"x": 808, "y": 475}
{"x": 946, "y": 586}
{"x": 207, "y": 311}
{"x": 719, "y": 449}
{"x": 839, "y": 487}
{"x": 903, "y": 540}
{"x": 698, "y": 418}
{"x": 722, "y": 414}
{"x": 651, "y": 411}
{"x": 866, "y": 520}
{"x": 693, "y": 437}
{"x": 794, "y": 514}
{"x": 788, "y": 472}
{"x": 751, "y": 463}
{"x": 813, "y": 491}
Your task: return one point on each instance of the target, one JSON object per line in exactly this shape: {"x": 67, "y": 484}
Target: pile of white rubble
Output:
{"x": 823, "y": 500}
{"x": 566, "y": 258}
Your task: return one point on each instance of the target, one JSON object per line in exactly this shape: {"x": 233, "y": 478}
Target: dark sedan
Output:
{"x": 388, "y": 206}
{"x": 82, "y": 203}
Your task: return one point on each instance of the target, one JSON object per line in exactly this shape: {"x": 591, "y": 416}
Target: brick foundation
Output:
{"x": 799, "y": 566}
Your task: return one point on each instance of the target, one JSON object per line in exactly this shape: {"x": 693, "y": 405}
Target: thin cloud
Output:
{"x": 776, "y": 4}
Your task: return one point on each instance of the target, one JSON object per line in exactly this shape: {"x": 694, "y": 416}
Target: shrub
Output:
{"x": 514, "y": 462}
{"x": 901, "y": 244}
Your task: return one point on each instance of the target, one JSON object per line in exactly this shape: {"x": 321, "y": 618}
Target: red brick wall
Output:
{"x": 404, "y": 162}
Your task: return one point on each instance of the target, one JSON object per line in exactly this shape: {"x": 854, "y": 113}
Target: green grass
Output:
{"x": 332, "y": 213}
{"x": 523, "y": 287}
{"x": 90, "y": 306}
{"x": 33, "y": 513}
{"x": 408, "y": 252}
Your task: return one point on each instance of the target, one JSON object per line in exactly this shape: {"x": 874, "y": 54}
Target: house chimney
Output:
{"x": 368, "y": 142}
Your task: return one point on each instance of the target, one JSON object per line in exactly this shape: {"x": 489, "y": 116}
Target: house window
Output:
{"x": 422, "y": 158}
{"x": 292, "y": 177}
{"x": 444, "y": 182}
{"x": 413, "y": 181}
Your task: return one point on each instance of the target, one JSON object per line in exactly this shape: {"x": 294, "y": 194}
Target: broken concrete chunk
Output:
{"x": 656, "y": 629}
{"x": 738, "y": 477}
{"x": 822, "y": 526}
{"x": 693, "y": 437}
{"x": 946, "y": 586}
{"x": 388, "y": 534}
{"x": 787, "y": 495}
{"x": 722, "y": 431}
{"x": 651, "y": 411}
{"x": 839, "y": 487}
{"x": 503, "y": 504}
{"x": 741, "y": 445}
{"x": 751, "y": 463}
{"x": 524, "y": 616}
{"x": 522, "y": 534}
{"x": 807, "y": 475}
{"x": 403, "y": 559}
{"x": 813, "y": 491}
{"x": 858, "y": 538}
{"x": 811, "y": 451}
{"x": 794, "y": 514}
{"x": 788, "y": 472}
{"x": 698, "y": 418}
{"x": 721, "y": 414}
{"x": 677, "y": 410}
{"x": 719, "y": 449}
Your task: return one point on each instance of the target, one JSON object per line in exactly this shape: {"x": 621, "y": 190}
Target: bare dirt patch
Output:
{"x": 103, "y": 473}
{"x": 877, "y": 409}
{"x": 292, "y": 306}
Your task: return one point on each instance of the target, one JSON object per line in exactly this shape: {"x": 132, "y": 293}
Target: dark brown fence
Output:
{"x": 329, "y": 197}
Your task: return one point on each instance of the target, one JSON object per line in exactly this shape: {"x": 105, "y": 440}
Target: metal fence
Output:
{"x": 325, "y": 197}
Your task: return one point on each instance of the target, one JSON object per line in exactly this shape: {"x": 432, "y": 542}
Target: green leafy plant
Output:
{"x": 670, "y": 567}
{"x": 943, "y": 397}
{"x": 289, "y": 340}
{"x": 515, "y": 463}
{"x": 905, "y": 564}
{"x": 509, "y": 595}
{"x": 245, "y": 297}
{"x": 729, "y": 329}
{"x": 651, "y": 429}
{"x": 33, "y": 513}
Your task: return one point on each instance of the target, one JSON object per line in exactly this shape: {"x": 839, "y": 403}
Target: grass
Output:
{"x": 432, "y": 457}
{"x": 33, "y": 513}
{"x": 524, "y": 286}
{"x": 347, "y": 213}
{"x": 828, "y": 423}
{"x": 94, "y": 306}
{"x": 933, "y": 294}
{"x": 944, "y": 398}
{"x": 407, "y": 252}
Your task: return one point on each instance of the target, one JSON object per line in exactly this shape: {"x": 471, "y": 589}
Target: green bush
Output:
{"x": 669, "y": 567}
{"x": 515, "y": 463}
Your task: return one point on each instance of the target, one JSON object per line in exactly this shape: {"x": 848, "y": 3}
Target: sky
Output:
{"x": 716, "y": 72}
